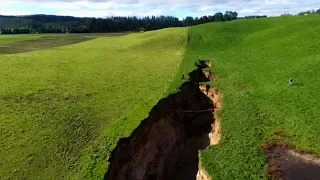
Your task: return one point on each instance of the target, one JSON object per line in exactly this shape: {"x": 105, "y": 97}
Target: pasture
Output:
{"x": 254, "y": 60}
{"x": 64, "y": 108}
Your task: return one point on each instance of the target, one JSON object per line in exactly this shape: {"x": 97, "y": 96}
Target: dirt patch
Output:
{"x": 166, "y": 144}
{"x": 287, "y": 164}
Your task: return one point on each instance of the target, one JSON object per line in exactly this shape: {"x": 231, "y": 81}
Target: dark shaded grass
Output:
{"x": 42, "y": 43}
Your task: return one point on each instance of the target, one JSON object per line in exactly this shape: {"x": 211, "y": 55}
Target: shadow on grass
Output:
{"x": 42, "y": 43}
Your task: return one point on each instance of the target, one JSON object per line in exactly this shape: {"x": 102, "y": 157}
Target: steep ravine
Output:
{"x": 166, "y": 144}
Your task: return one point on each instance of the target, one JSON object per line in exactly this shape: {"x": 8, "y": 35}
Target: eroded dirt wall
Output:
{"x": 166, "y": 144}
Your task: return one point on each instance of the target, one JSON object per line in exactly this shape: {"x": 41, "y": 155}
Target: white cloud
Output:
{"x": 101, "y": 8}
{"x": 105, "y": 13}
{"x": 88, "y": 5}
{"x": 14, "y": 13}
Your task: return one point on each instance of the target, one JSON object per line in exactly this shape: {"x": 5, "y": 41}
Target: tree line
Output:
{"x": 309, "y": 12}
{"x": 46, "y": 23}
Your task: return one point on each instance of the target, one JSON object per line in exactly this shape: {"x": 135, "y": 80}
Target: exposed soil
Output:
{"x": 202, "y": 174}
{"x": 286, "y": 164}
{"x": 215, "y": 134}
{"x": 166, "y": 144}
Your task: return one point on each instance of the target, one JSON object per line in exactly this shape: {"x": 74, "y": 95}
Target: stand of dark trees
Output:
{"x": 48, "y": 23}
{"x": 253, "y": 17}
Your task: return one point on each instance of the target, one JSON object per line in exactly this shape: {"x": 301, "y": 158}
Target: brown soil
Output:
{"x": 215, "y": 134}
{"x": 210, "y": 76}
{"x": 215, "y": 97}
{"x": 205, "y": 62}
{"x": 202, "y": 174}
{"x": 287, "y": 164}
{"x": 166, "y": 144}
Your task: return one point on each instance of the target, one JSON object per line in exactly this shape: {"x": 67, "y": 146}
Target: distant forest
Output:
{"x": 67, "y": 24}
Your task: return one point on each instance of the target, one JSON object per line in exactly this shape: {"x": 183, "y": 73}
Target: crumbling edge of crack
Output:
{"x": 215, "y": 134}
{"x": 202, "y": 173}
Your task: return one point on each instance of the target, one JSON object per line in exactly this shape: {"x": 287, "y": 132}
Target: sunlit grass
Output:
{"x": 63, "y": 109}
{"x": 254, "y": 60}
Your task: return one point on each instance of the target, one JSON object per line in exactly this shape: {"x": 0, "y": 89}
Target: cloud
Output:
{"x": 180, "y": 8}
{"x": 102, "y": 13}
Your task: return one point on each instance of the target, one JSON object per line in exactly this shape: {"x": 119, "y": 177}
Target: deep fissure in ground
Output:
{"x": 166, "y": 144}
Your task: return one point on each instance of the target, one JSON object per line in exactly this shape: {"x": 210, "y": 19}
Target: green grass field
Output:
{"x": 64, "y": 109}
{"x": 8, "y": 39}
{"x": 254, "y": 60}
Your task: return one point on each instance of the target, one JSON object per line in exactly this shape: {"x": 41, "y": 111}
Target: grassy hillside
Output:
{"x": 254, "y": 60}
{"x": 63, "y": 109}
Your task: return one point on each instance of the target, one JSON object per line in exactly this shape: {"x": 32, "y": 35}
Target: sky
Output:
{"x": 177, "y": 8}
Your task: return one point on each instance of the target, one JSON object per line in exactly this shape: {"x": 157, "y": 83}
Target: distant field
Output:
{"x": 8, "y": 39}
{"x": 11, "y": 44}
{"x": 26, "y": 43}
{"x": 64, "y": 108}
{"x": 254, "y": 60}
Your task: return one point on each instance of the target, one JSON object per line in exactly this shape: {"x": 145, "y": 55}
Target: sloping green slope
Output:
{"x": 254, "y": 59}
{"x": 63, "y": 109}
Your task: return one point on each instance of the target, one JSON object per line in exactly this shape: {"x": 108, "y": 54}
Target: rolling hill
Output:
{"x": 65, "y": 110}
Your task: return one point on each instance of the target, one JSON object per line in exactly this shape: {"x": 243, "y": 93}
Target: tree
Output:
{"x": 232, "y": 15}
{"x": 203, "y": 19}
{"x": 211, "y": 18}
{"x": 218, "y": 16}
{"x": 226, "y": 17}
{"x": 196, "y": 21}
{"x": 257, "y": 16}
{"x": 309, "y": 12}
{"x": 65, "y": 24}
{"x": 286, "y": 14}
{"x": 188, "y": 21}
